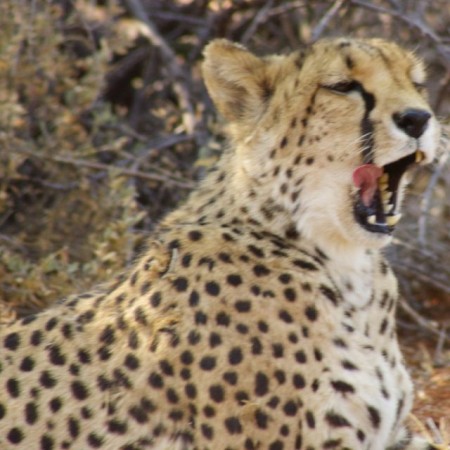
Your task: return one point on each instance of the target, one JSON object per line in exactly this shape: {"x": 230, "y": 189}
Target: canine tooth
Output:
{"x": 388, "y": 207}
{"x": 419, "y": 156}
{"x": 384, "y": 178}
{"x": 372, "y": 219}
{"x": 386, "y": 195}
{"x": 393, "y": 220}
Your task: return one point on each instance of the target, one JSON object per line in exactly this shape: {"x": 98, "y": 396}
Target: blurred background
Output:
{"x": 105, "y": 126}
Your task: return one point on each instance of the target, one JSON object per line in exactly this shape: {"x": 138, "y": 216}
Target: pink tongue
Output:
{"x": 365, "y": 178}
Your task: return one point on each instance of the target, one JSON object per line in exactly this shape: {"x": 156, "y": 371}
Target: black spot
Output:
{"x": 298, "y": 381}
{"x": 15, "y": 435}
{"x": 290, "y": 408}
{"x": 304, "y": 265}
{"x": 277, "y": 350}
{"x": 208, "y": 363}
{"x": 332, "y": 443}
{"x": 243, "y": 306}
{"x": 200, "y": 318}
{"x": 256, "y": 346}
{"x": 180, "y": 284}
{"x": 209, "y": 411}
{"x": 336, "y": 420}
{"x": 27, "y": 364}
{"x": 107, "y": 336}
{"x": 261, "y": 384}
{"x": 172, "y": 396}
{"x": 348, "y": 365}
{"x": 212, "y": 288}
{"x": 256, "y": 251}
{"x": 131, "y": 362}
{"x": 12, "y": 341}
{"x": 79, "y": 390}
{"x": 51, "y": 323}
{"x": 47, "y": 380}
{"x": 195, "y": 235}
{"x": 186, "y": 358}
{"x": 290, "y": 294}
{"x": 214, "y": 340}
{"x": 230, "y": 377}
{"x": 311, "y": 313}
{"x": 263, "y": 327}
{"x": 318, "y": 354}
{"x": 260, "y": 270}
{"x": 233, "y": 425}
{"x": 31, "y": 413}
{"x": 383, "y": 326}
{"x": 36, "y": 337}
{"x": 194, "y": 337}
{"x": 361, "y": 435}
{"x": 315, "y": 385}
{"x": 235, "y": 356}
{"x": 186, "y": 260}
{"x": 339, "y": 342}
{"x": 155, "y": 299}
{"x": 234, "y": 279}
{"x": 374, "y": 416}
{"x": 94, "y": 441}
{"x": 207, "y": 431}
{"x": 310, "y": 420}
{"x": 329, "y": 294}
{"x": 342, "y": 386}
{"x": 155, "y": 380}
{"x": 47, "y": 442}
{"x": 285, "y": 316}
{"x": 115, "y": 426}
{"x": 261, "y": 419}
{"x": 223, "y": 319}
{"x": 55, "y": 356}
{"x": 74, "y": 427}
{"x": 276, "y": 445}
{"x": 300, "y": 357}
{"x": 217, "y": 393}
{"x": 190, "y": 390}
{"x": 138, "y": 414}
{"x": 55, "y": 404}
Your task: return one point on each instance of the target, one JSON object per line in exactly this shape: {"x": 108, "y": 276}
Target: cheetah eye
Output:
{"x": 343, "y": 87}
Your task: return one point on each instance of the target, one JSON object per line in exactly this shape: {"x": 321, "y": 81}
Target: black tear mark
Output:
{"x": 367, "y": 139}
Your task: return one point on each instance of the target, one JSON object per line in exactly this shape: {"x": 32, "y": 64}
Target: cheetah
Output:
{"x": 261, "y": 313}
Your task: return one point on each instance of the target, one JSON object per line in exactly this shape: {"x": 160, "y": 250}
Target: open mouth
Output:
{"x": 376, "y": 207}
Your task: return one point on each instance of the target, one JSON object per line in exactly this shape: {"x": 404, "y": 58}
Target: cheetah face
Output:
{"x": 327, "y": 135}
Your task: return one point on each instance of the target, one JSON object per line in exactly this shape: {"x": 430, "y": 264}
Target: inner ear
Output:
{"x": 237, "y": 81}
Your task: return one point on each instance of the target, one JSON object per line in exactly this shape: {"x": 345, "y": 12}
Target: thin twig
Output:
{"x": 258, "y": 19}
{"x": 176, "y": 72}
{"x": 185, "y": 184}
{"x": 426, "y": 198}
{"x": 413, "y": 22}
{"x": 325, "y": 20}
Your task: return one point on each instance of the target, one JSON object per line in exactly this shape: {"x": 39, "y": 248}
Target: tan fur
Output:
{"x": 261, "y": 316}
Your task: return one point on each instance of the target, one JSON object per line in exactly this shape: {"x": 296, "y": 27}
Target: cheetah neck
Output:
{"x": 229, "y": 198}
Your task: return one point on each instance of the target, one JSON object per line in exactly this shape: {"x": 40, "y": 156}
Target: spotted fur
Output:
{"x": 261, "y": 314}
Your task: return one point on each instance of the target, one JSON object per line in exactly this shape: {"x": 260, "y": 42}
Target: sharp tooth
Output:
{"x": 393, "y": 220}
{"x": 383, "y": 182}
{"x": 419, "y": 156}
{"x": 388, "y": 207}
{"x": 372, "y": 219}
{"x": 386, "y": 196}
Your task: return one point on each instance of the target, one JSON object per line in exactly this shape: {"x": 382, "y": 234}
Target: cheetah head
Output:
{"x": 326, "y": 135}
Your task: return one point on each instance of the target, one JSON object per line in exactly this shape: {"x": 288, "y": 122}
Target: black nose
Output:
{"x": 412, "y": 121}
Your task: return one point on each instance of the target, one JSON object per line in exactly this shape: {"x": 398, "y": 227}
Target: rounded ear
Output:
{"x": 237, "y": 81}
